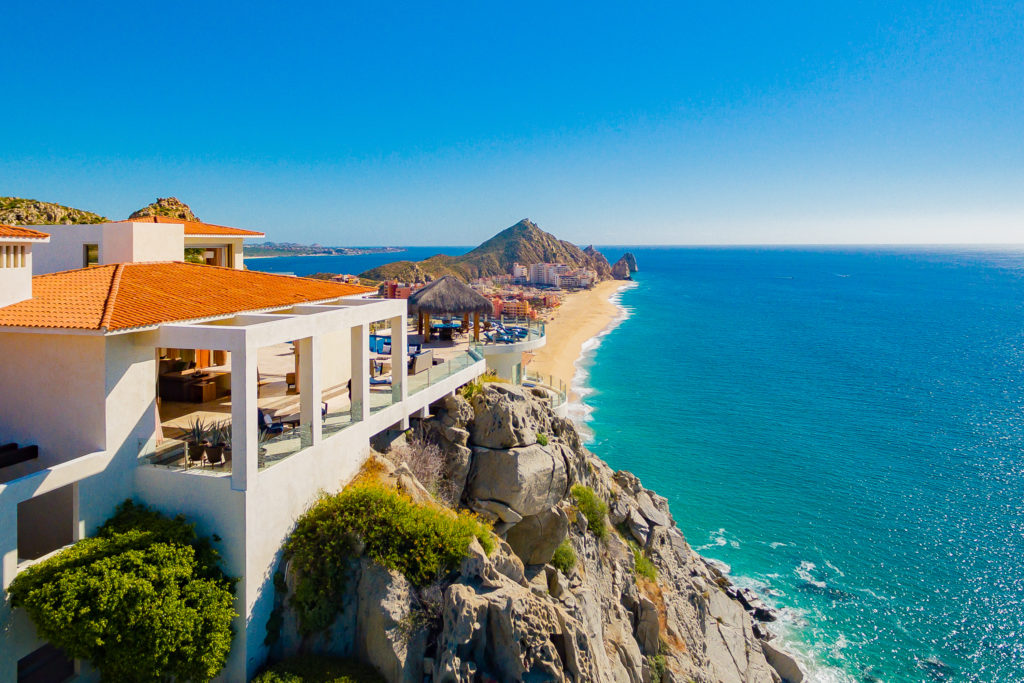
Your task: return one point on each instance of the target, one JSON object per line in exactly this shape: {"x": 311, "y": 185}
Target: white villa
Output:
{"x": 112, "y": 343}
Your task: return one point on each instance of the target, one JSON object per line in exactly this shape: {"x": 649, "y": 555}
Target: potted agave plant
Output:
{"x": 197, "y": 435}
{"x": 224, "y": 438}
{"x": 215, "y": 451}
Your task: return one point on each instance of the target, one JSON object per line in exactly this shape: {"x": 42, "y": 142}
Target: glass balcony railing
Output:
{"x": 435, "y": 374}
{"x": 504, "y": 330}
{"x": 176, "y": 454}
{"x": 555, "y": 388}
{"x": 277, "y": 447}
{"x": 337, "y": 420}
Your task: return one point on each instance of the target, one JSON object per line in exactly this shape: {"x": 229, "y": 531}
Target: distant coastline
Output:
{"x": 276, "y": 249}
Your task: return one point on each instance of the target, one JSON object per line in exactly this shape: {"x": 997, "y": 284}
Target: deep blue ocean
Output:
{"x": 842, "y": 428}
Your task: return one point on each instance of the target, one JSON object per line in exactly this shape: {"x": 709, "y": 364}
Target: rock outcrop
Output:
{"x": 597, "y": 261}
{"x": 624, "y": 267}
{"x": 513, "y": 616}
{"x": 171, "y": 207}
{"x": 18, "y": 211}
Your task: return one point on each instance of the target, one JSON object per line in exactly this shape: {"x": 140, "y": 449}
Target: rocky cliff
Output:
{"x": 624, "y": 267}
{"x": 636, "y": 604}
{"x": 171, "y": 207}
{"x": 567, "y": 595}
{"x": 523, "y": 243}
{"x": 18, "y": 211}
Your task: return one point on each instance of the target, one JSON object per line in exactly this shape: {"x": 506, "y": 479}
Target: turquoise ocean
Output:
{"x": 843, "y": 429}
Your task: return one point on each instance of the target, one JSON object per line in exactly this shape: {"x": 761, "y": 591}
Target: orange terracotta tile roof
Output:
{"x": 14, "y": 232}
{"x": 126, "y": 296}
{"x": 197, "y": 228}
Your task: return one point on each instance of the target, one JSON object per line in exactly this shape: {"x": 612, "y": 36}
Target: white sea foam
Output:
{"x": 790, "y": 629}
{"x": 579, "y": 411}
{"x": 834, "y": 568}
{"x": 804, "y": 572}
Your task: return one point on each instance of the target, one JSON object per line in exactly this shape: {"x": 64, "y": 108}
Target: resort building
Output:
{"x": 547, "y": 273}
{"x": 122, "y": 346}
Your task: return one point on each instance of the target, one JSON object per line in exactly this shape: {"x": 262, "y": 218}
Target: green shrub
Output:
{"x": 318, "y": 669}
{"x": 593, "y": 508}
{"x": 642, "y": 565}
{"x": 422, "y": 542}
{"x": 475, "y": 387}
{"x": 144, "y": 600}
{"x": 564, "y": 558}
{"x": 542, "y": 439}
{"x": 658, "y": 664}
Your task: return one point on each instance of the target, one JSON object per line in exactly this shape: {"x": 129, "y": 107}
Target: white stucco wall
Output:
{"x": 64, "y": 252}
{"x": 118, "y": 243}
{"x": 52, "y": 393}
{"x": 336, "y": 359}
{"x": 137, "y": 242}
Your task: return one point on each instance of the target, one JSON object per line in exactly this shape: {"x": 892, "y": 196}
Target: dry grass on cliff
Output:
{"x": 427, "y": 463}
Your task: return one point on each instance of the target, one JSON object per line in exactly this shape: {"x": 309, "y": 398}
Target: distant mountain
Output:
{"x": 523, "y": 243}
{"x": 18, "y": 211}
{"x": 171, "y": 207}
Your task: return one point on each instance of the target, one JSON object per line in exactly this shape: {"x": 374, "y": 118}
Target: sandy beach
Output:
{"x": 581, "y": 316}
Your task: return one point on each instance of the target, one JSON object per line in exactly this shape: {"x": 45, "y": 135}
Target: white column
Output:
{"x": 360, "y": 372}
{"x": 310, "y": 388}
{"x": 244, "y": 426}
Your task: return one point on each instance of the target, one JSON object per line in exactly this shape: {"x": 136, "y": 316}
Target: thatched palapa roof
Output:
{"x": 449, "y": 296}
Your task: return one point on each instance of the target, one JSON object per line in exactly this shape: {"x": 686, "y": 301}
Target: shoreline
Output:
{"x": 574, "y": 334}
{"x": 574, "y": 330}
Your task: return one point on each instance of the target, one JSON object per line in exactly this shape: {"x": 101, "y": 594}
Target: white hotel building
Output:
{"x": 111, "y": 342}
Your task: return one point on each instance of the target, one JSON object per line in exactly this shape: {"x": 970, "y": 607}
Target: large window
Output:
{"x": 90, "y": 254}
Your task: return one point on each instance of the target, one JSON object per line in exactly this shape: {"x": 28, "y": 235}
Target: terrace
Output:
{"x": 296, "y": 392}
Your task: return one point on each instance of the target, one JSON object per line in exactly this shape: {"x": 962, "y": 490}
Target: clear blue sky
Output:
{"x": 441, "y": 123}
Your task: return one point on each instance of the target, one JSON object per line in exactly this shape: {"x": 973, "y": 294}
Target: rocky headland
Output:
{"x": 523, "y": 243}
{"x": 591, "y": 579}
{"x": 625, "y": 267}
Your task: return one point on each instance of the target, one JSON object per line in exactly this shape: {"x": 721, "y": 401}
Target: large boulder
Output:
{"x": 527, "y": 479}
{"x": 506, "y": 416}
{"x": 783, "y": 663}
{"x": 383, "y": 637}
{"x": 535, "y": 538}
{"x": 510, "y": 634}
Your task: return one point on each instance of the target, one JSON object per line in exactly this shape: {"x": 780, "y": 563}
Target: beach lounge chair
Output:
{"x": 379, "y": 382}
